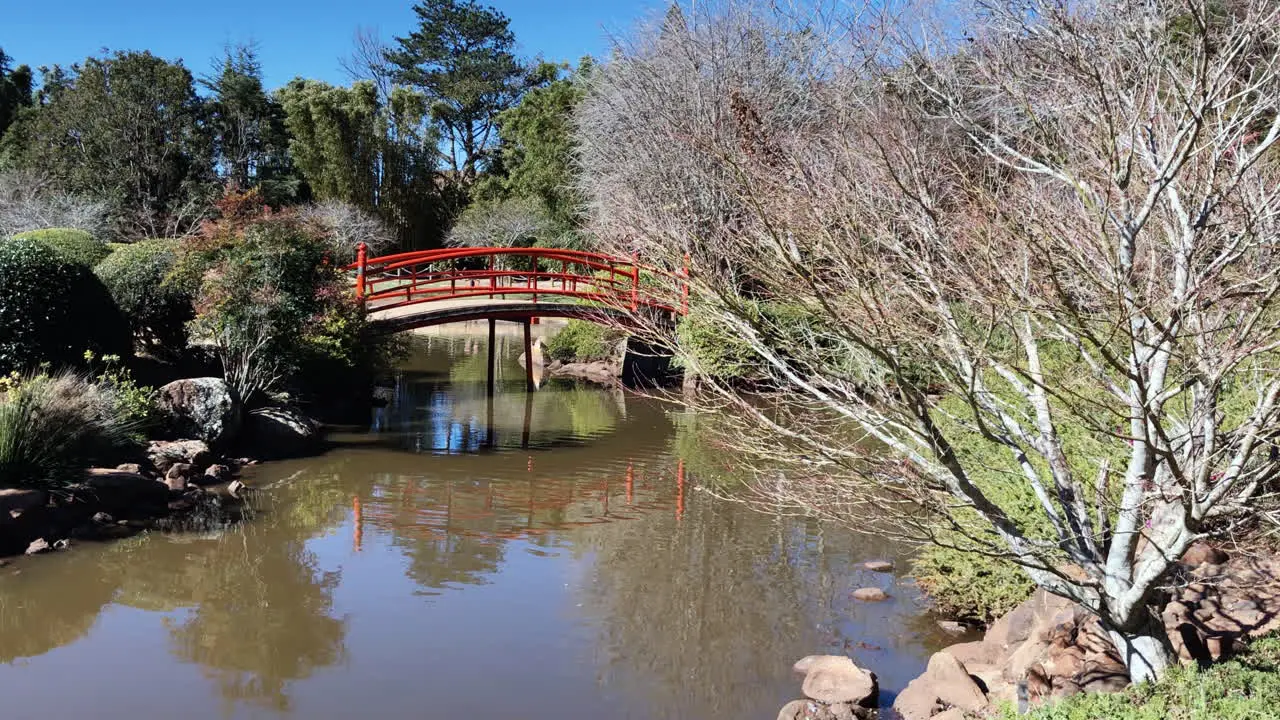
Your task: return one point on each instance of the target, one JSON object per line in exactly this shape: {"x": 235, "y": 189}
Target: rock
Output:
{"x": 181, "y": 471}
{"x": 1036, "y": 615}
{"x": 952, "y": 714}
{"x": 235, "y": 488}
{"x": 205, "y": 408}
{"x": 175, "y": 483}
{"x": 952, "y": 684}
{"x": 601, "y": 372}
{"x": 835, "y": 679}
{"x": 1065, "y": 662}
{"x": 164, "y": 454}
{"x": 122, "y": 493}
{"x": 274, "y": 433}
{"x": 917, "y": 701}
{"x": 974, "y": 653}
{"x": 134, "y": 468}
{"x": 39, "y": 546}
{"x": 870, "y": 594}
{"x": 878, "y": 565}
{"x": 214, "y": 475}
{"x": 1202, "y": 553}
{"x": 15, "y": 501}
{"x": 63, "y": 544}
{"x": 951, "y": 627}
{"x": 102, "y": 518}
{"x": 813, "y": 710}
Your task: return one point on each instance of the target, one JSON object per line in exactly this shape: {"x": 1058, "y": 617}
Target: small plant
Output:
{"x": 582, "y": 341}
{"x": 54, "y": 426}
{"x": 134, "y": 404}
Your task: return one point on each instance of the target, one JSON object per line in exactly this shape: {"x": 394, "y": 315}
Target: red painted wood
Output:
{"x": 426, "y": 276}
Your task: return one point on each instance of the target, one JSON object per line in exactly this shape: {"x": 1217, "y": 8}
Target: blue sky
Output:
{"x": 294, "y": 37}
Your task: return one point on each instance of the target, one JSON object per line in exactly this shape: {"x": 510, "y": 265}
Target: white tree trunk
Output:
{"x": 1146, "y": 652}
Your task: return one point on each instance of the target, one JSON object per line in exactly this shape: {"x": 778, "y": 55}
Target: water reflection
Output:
{"x": 453, "y": 566}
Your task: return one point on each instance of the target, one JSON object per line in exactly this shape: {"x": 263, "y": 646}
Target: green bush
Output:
{"x": 158, "y": 310}
{"x": 1245, "y": 688}
{"x": 53, "y": 310}
{"x": 279, "y": 312}
{"x": 53, "y": 427}
{"x": 74, "y": 245}
{"x": 582, "y": 341}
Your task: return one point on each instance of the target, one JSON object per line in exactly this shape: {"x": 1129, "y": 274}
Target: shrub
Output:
{"x": 53, "y": 310}
{"x": 53, "y": 427}
{"x": 158, "y": 310}
{"x": 77, "y": 246}
{"x": 280, "y": 313}
{"x": 1244, "y": 688}
{"x": 582, "y": 341}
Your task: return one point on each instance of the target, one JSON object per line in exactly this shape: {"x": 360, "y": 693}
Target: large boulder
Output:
{"x": 835, "y": 679}
{"x": 946, "y": 684}
{"x": 274, "y": 433}
{"x": 124, "y": 494}
{"x": 205, "y": 408}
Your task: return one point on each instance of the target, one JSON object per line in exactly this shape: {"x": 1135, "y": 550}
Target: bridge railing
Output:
{"x": 451, "y": 274}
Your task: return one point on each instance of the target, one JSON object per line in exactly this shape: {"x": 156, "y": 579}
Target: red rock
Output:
{"x": 1202, "y": 553}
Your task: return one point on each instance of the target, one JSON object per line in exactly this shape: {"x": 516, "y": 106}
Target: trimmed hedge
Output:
{"x": 75, "y": 245}
{"x": 158, "y": 310}
{"x": 52, "y": 310}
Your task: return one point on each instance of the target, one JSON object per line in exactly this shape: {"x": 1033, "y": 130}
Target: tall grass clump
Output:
{"x": 52, "y": 427}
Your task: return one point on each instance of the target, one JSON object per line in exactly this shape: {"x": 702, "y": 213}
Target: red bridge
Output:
{"x": 433, "y": 287}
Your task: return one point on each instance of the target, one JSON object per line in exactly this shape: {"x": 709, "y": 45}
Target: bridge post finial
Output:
{"x": 362, "y": 262}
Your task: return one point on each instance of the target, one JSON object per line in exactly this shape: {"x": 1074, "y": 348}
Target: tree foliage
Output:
{"x": 353, "y": 146}
{"x": 247, "y": 125}
{"x": 461, "y": 58}
{"x": 15, "y": 91}
{"x": 959, "y": 205}
{"x": 126, "y": 128}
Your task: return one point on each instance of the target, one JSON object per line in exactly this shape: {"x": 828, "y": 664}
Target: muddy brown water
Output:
{"x": 451, "y": 565}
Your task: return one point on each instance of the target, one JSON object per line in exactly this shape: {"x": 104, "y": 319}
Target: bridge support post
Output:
{"x": 493, "y": 350}
{"x": 528, "y": 356}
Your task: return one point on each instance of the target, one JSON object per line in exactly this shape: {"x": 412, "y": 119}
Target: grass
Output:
{"x": 52, "y": 427}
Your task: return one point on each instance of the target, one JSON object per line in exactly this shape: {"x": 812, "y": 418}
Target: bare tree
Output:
{"x": 1031, "y": 245}
{"x": 516, "y": 222}
{"x": 368, "y": 61}
{"x": 28, "y": 202}
{"x": 346, "y": 226}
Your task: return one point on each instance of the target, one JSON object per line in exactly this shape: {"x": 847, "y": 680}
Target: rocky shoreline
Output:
{"x": 1049, "y": 648}
{"x": 182, "y": 482}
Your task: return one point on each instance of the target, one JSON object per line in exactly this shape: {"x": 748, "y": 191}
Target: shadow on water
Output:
{"x": 554, "y": 561}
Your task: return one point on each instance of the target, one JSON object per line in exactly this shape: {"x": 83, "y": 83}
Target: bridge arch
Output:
{"x": 407, "y": 291}
{"x": 418, "y": 289}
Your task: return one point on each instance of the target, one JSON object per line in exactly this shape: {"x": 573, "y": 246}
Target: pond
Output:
{"x": 551, "y": 559}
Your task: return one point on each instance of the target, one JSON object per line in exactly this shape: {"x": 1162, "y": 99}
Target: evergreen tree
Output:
{"x": 247, "y": 125}
{"x": 461, "y": 58}
{"x": 15, "y": 90}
